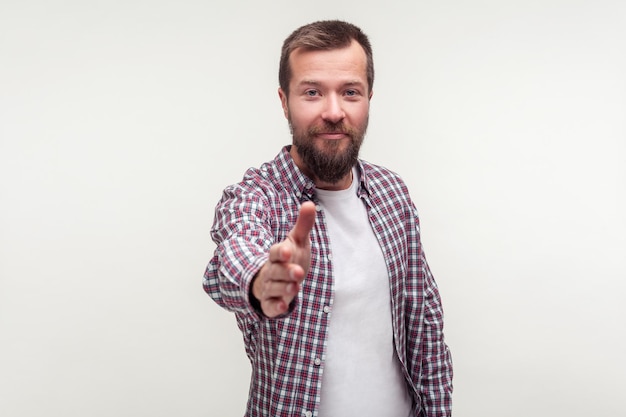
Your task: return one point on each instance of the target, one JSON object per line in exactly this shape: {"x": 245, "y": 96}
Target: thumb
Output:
{"x": 304, "y": 224}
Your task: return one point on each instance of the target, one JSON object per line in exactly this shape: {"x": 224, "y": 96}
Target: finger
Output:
{"x": 274, "y": 307}
{"x": 286, "y": 290}
{"x": 306, "y": 219}
{"x": 282, "y": 272}
{"x": 280, "y": 252}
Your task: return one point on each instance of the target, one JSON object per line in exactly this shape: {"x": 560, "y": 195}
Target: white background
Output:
{"x": 122, "y": 121}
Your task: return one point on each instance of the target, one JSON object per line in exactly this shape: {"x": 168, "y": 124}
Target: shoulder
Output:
{"x": 380, "y": 179}
{"x": 258, "y": 182}
{"x": 269, "y": 191}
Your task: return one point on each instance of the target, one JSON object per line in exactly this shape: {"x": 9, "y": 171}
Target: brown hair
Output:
{"x": 323, "y": 35}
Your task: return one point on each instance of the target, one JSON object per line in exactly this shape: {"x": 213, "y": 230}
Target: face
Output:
{"x": 327, "y": 109}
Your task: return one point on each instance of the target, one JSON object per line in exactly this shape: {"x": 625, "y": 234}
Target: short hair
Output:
{"x": 323, "y": 35}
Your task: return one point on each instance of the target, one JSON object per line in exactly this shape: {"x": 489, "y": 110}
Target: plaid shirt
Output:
{"x": 287, "y": 353}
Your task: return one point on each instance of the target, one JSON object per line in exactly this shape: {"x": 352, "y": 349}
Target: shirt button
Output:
{"x": 308, "y": 414}
{"x": 318, "y": 361}
{"x": 326, "y": 309}
{"x": 329, "y": 257}
{"x": 318, "y": 207}
{"x": 298, "y": 194}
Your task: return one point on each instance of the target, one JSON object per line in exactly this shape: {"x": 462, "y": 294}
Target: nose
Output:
{"x": 333, "y": 111}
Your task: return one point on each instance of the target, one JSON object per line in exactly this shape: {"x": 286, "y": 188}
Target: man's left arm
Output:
{"x": 429, "y": 355}
{"x": 435, "y": 358}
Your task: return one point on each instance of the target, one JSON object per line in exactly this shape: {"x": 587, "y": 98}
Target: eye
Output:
{"x": 311, "y": 93}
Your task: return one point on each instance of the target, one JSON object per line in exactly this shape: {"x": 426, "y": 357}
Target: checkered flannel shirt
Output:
{"x": 287, "y": 353}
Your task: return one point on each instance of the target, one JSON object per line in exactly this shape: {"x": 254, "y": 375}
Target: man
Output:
{"x": 319, "y": 255}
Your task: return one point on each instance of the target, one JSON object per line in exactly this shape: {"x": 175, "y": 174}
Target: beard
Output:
{"x": 329, "y": 160}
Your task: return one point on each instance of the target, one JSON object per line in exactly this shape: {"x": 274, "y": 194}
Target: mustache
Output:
{"x": 331, "y": 128}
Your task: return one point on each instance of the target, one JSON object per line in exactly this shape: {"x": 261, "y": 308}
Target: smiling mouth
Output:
{"x": 332, "y": 135}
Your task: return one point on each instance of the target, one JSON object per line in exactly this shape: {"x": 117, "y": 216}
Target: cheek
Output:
{"x": 361, "y": 114}
{"x": 301, "y": 115}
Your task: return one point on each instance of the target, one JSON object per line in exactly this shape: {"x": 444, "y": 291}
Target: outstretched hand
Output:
{"x": 278, "y": 281}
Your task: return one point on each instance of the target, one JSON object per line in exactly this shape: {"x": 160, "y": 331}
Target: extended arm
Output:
{"x": 247, "y": 265}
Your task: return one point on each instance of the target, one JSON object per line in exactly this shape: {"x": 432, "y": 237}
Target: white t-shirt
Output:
{"x": 362, "y": 375}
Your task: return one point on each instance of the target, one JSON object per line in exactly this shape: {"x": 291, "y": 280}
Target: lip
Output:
{"x": 332, "y": 136}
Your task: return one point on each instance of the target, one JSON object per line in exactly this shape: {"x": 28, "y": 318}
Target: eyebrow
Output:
{"x": 345, "y": 84}
{"x": 309, "y": 82}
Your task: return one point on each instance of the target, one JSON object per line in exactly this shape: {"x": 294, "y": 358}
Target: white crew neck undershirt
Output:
{"x": 362, "y": 375}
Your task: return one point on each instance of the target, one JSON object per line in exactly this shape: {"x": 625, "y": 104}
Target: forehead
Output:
{"x": 347, "y": 63}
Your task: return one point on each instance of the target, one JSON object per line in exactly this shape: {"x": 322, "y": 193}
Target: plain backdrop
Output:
{"x": 122, "y": 121}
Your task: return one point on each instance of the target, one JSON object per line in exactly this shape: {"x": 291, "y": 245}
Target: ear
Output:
{"x": 370, "y": 95}
{"x": 283, "y": 102}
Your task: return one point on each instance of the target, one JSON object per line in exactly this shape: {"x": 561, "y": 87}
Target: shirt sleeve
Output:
{"x": 243, "y": 235}
{"x": 428, "y": 349}
{"x": 436, "y": 378}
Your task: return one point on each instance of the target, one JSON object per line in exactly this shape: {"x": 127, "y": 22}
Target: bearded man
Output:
{"x": 319, "y": 255}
